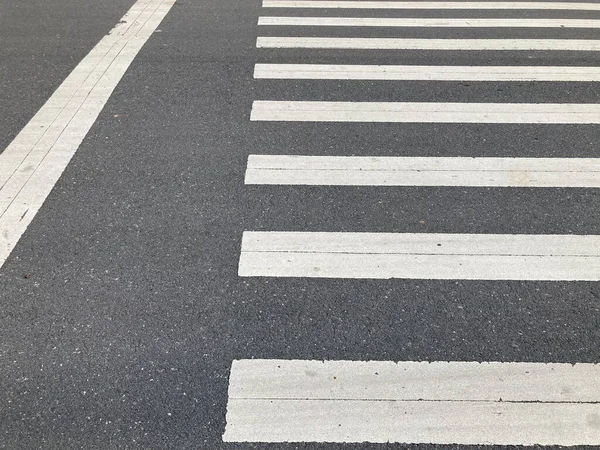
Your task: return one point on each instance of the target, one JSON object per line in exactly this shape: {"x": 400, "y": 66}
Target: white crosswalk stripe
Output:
{"x": 420, "y": 256}
{"x": 466, "y": 5}
{"x": 428, "y": 44}
{"x": 425, "y": 73}
{"x": 415, "y": 171}
{"x": 467, "y": 403}
{"x": 430, "y": 112}
{"x": 427, "y": 22}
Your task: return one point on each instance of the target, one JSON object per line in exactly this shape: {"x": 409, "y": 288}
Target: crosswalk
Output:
{"x": 418, "y": 402}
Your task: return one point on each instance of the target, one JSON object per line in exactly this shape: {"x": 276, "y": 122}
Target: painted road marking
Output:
{"x": 427, "y": 22}
{"x": 423, "y": 171}
{"x": 437, "y": 73}
{"x": 420, "y": 256}
{"x": 32, "y": 164}
{"x": 428, "y": 112}
{"x": 431, "y": 5}
{"x": 513, "y": 403}
{"x": 428, "y": 44}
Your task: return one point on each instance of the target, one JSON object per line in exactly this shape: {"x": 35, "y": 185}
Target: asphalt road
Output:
{"x": 121, "y": 308}
{"x": 42, "y": 42}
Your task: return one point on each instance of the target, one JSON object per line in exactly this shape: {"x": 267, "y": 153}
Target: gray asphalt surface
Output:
{"x": 124, "y": 331}
{"x": 41, "y": 43}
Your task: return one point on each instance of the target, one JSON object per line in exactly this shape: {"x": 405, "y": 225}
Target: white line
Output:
{"x": 429, "y": 44}
{"x": 413, "y": 402}
{"x": 420, "y": 256}
{"x": 423, "y": 171}
{"x": 32, "y": 164}
{"x": 431, "y": 5}
{"x": 438, "y": 73}
{"x": 430, "y": 112}
{"x": 427, "y": 22}
{"x": 409, "y": 381}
